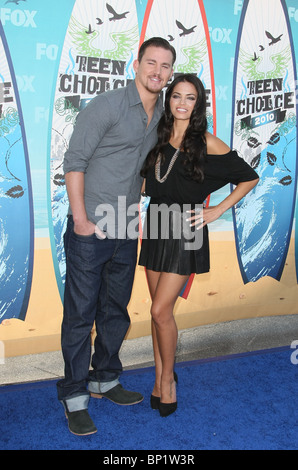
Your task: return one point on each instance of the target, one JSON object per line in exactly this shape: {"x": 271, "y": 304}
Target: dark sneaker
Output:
{"x": 120, "y": 396}
{"x": 80, "y": 423}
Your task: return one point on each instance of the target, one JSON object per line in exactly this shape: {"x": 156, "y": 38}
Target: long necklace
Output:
{"x": 157, "y": 167}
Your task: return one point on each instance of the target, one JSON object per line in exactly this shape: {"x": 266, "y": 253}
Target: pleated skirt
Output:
{"x": 170, "y": 245}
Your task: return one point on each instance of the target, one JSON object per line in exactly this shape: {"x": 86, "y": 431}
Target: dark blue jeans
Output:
{"x": 99, "y": 279}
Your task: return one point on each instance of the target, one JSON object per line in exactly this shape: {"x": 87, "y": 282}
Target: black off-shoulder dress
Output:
{"x": 168, "y": 242}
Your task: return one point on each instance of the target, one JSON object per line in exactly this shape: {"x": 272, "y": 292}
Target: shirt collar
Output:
{"x": 134, "y": 97}
{"x": 133, "y": 94}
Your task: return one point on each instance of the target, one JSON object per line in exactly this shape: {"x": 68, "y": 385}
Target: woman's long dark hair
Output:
{"x": 194, "y": 142}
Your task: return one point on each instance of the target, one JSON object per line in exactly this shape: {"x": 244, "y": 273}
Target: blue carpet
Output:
{"x": 241, "y": 402}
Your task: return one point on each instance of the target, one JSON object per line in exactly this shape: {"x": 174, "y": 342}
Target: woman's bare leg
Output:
{"x": 153, "y": 278}
{"x": 165, "y": 289}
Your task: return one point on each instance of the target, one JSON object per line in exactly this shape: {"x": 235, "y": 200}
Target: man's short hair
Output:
{"x": 157, "y": 42}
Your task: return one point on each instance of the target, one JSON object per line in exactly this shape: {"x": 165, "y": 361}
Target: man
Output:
{"x": 110, "y": 142}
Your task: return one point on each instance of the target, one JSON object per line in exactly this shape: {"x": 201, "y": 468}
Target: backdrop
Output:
{"x": 55, "y": 57}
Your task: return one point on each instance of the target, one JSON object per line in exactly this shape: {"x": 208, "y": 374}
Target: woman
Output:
{"x": 185, "y": 166}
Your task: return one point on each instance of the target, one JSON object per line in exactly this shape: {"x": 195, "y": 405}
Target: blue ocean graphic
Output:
{"x": 14, "y": 219}
{"x": 263, "y": 233}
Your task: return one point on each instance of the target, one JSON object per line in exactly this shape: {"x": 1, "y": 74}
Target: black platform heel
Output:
{"x": 166, "y": 409}
{"x": 155, "y": 401}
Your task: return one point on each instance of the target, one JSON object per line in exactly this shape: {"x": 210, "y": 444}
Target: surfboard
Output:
{"x": 265, "y": 135}
{"x": 186, "y": 28}
{"x": 296, "y": 238}
{"x": 100, "y": 46}
{"x": 16, "y": 206}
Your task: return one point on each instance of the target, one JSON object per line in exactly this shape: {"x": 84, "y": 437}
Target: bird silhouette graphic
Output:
{"x": 90, "y": 30}
{"x": 255, "y": 57}
{"x": 273, "y": 39}
{"x": 99, "y": 21}
{"x": 16, "y": 2}
{"x": 116, "y": 16}
{"x": 185, "y": 31}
